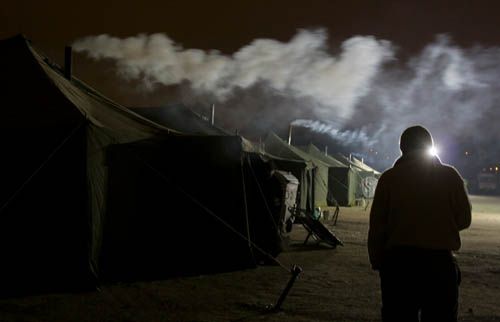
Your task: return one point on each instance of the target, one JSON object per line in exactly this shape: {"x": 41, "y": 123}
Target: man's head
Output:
{"x": 415, "y": 138}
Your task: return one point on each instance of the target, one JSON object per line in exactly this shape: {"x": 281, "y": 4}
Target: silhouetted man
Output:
{"x": 420, "y": 206}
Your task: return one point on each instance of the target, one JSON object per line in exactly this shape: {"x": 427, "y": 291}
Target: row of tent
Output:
{"x": 92, "y": 191}
{"x": 331, "y": 180}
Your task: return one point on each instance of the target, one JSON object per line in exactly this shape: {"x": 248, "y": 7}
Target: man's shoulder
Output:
{"x": 389, "y": 172}
{"x": 386, "y": 175}
{"x": 449, "y": 170}
{"x": 443, "y": 168}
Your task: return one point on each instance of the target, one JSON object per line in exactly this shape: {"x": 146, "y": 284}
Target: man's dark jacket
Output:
{"x": 420, "y": 203}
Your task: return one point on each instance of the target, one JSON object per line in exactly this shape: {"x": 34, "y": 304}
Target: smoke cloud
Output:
{"x": 300, "y": 68}
{"x": 362, "y": 96}
{"x": 453, "y": 91}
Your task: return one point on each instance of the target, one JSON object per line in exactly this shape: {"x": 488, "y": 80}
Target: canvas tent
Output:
{"x": 175, "y": 213}
{"x": 342, "y": 179}
{"x": 313, "y": 177}
{"x": 366, "y": 176}
{"x": 257, "y": 167}
{"x": 53, "y": 177}
{"x": 364, "y": 167}
{"x": 183, "y": 118}
{"x": 60, "y": 142}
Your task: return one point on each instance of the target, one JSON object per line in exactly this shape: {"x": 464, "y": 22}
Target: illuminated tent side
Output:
{"x": 342, "y": 183}
{"x": 312, "y": 174}
{"x": 366, "y": 176}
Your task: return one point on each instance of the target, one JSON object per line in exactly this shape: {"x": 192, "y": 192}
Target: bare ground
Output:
{"x": 336, "y": 285}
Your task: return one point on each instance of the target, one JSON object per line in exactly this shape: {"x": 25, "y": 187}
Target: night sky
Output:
{"x": 229, "y": 25}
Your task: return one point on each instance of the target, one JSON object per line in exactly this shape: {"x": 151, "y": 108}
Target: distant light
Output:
{"x": 466, "y": 152}
{"x": 433, "y": 151}
{"x": 496, "y": 169}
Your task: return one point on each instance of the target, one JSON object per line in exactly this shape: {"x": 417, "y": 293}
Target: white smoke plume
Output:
{"x": 301, "y": 68}
{"x": 370, "y": 94}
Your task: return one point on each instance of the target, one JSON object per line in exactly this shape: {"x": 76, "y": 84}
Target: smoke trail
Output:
{"x": 342, "y": 137}
{"x": 300, "y": 68}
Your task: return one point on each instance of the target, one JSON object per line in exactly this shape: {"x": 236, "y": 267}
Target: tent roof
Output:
{"x": 276, "y": 146}
{"x": 365, "y": 167}
{"x": 357, "y": 164}
{"x": 328, "y": 159}
{"x": 99, "y": 110}
{"x": 180, "y": 118}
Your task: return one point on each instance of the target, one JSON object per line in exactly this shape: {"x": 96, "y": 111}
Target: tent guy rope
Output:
{"x": 42, "y": 165}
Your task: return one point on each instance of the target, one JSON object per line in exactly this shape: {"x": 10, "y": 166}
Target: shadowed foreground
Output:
{"x": 337, "y": 284}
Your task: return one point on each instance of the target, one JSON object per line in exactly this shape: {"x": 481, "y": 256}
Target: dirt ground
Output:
{"x": 336, "y": 285}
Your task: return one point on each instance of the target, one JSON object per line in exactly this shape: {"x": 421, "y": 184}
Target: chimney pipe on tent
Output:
{"x": 68, "y": 62}
{"x": 326, "y": 150}
{"x": 290, "y": 134}
{"x": 212, "y": 117}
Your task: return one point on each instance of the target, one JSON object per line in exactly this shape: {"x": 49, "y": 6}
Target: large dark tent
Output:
{"x": 53, "y": 193}
{"x": 61, "y": 220}
{"x": 176, "y": 206}
{"x": 266, "y": 189}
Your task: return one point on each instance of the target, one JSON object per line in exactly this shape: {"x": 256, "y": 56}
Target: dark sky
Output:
{"x": 229, "y": 25}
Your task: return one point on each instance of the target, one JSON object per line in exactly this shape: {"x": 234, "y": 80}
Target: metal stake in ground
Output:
{"x": 296, "y": 270}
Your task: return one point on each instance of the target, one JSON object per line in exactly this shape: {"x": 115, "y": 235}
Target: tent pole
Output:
{"x": 212, "y": 117}
{"x": 296, "y": 270}
{"x": 68, "y": 62}
{"x": 290, "y": 134}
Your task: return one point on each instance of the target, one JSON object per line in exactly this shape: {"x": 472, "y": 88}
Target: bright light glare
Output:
{"x": 433, "y": 151}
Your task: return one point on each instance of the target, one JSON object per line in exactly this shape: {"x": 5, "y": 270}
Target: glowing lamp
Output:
{"x": 433, "y": 151}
